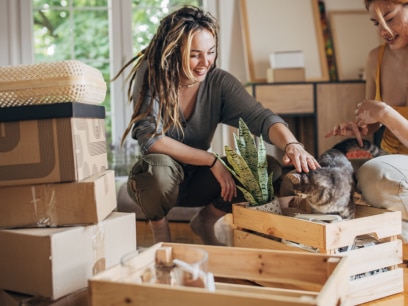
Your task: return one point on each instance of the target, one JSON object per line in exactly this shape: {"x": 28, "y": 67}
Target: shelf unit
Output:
{"x": 311, "y": 108}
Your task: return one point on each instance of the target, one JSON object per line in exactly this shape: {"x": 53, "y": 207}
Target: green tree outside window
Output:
{"x": 79, "y": 29}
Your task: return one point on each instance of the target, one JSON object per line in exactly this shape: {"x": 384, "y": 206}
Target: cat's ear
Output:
{"x": 294, "y": 177}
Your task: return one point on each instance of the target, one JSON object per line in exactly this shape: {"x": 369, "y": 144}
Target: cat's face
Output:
{"x": 310, "y": 185}
{"x": 325, "y": 190}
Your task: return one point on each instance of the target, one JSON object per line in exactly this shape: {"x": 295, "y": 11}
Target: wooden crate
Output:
{"x": 299, "y": 279}
{"x": 405, "y": 252}
{"x": 256, "y": 229}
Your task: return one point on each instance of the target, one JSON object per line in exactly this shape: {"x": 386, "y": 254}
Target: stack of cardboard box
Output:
{"x": 58, "y": 224}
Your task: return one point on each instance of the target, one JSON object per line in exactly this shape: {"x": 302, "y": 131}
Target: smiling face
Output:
{"x": 391, "y": 21}
{"x": 198, "y": 56}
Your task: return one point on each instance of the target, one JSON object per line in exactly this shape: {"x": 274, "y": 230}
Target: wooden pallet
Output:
{"x": 256, "y": 229}
{"x": 313, "y": 279}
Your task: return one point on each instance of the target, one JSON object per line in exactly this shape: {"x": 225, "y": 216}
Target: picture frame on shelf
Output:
{"x": 354, "y": 35}
{"x": 270, "y": 26}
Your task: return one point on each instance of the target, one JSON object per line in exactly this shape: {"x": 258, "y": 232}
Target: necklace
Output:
{"x": 188, "y": 85}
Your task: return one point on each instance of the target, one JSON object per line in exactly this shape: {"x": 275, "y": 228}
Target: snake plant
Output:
{"x": 250, "y": 166}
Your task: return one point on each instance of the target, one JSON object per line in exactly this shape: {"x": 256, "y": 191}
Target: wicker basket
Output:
{"x": 52, "y": 82}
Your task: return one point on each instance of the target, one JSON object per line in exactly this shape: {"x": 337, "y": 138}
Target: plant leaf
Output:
{"x": 239, "y": 144}
{"x": 247, "y": 147}
{"x": 271, "y": 190}
{"x": 248, "y": 196}
{"x": 245, "y": 174}
{"x": 263, "y": 170}
{"x": 230, "y": 169}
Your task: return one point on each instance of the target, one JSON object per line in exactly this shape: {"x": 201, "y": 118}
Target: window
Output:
{"x": 104, "y": 34}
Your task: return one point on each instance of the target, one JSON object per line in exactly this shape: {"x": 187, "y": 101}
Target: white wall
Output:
{"x": 344, "y": 5}
{"x": 232, "y": 46}
{"x": 14, "y": 23}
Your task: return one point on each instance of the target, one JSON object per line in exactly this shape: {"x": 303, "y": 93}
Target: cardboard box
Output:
{"x": 54, "y": 262}
{"x": 287, "y": 59}
{"x": 374, "y": 270}
{"x": 9, "y": 298}
{"x": 51, "y": 150}
{"x": 85, "y": 202}
{"x": 286, "y": 75}
{"x": 290, "y": 278}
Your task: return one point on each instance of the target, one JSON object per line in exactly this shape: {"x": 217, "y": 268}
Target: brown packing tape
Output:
{"x": 88, "y": 201}
{"x": 46, "y": 214}
{"x": 98, "y": 245}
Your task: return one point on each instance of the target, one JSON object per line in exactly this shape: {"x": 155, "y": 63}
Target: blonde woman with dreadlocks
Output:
{"x": 179, "y": 99}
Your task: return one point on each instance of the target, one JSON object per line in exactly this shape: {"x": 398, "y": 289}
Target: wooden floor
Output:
{"x": 180, "y": 233}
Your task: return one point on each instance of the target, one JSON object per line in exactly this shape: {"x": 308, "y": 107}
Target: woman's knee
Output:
{"x": 154, "y": 184}
{"x": 383, "y": 182}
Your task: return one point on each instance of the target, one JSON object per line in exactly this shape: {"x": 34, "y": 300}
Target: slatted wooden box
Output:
{"x": 313, "y": 279}
{"x": 256, "y": 229}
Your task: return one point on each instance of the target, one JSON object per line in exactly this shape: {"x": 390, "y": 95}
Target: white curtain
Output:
{"x": 16, "y": 32}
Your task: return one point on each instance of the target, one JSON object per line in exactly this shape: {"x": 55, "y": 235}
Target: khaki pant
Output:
{"x": 383, "y": 182}
{"x": 158, "y": 183}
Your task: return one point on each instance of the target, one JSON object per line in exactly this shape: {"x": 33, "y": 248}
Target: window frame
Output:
{"x": 17, "y": 35}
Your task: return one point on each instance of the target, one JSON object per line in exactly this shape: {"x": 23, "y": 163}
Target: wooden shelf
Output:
{"x": 311, "y": 108}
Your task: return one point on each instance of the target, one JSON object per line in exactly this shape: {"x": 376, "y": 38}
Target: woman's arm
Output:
{"x": 295, "y": 153}
{"x": 370, "y": 111}
{"x": 189, "y": 155}
{"x": 181, "y": 152}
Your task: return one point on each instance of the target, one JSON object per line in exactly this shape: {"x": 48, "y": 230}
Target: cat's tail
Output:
{"x": 352, "y": 149}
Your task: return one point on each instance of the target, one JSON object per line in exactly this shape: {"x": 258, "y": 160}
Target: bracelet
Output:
{"x": 213, "y": 163}
{"x": 294, "y": 142}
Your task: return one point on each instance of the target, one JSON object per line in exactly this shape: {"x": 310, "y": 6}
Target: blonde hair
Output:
{"x": 368, "y": 2}
{"x": 165, "y": 62}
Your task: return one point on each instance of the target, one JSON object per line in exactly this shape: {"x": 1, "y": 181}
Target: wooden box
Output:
{"x": 256, "y": 229}
{"x": 298, "y": 279}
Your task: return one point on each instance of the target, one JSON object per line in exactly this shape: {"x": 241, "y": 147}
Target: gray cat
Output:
{"x": 329, "y": 189}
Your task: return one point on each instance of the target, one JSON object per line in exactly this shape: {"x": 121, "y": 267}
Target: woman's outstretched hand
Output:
{"x": 297, "y": 156}
{"x": 349, "y": 129}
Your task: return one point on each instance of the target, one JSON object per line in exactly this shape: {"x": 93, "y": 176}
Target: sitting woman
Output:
{"x": 383, "y": 180}
{"x": 179, "y": 99}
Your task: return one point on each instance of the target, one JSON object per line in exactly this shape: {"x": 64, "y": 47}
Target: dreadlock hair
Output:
{"x": 165, "y": 63}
